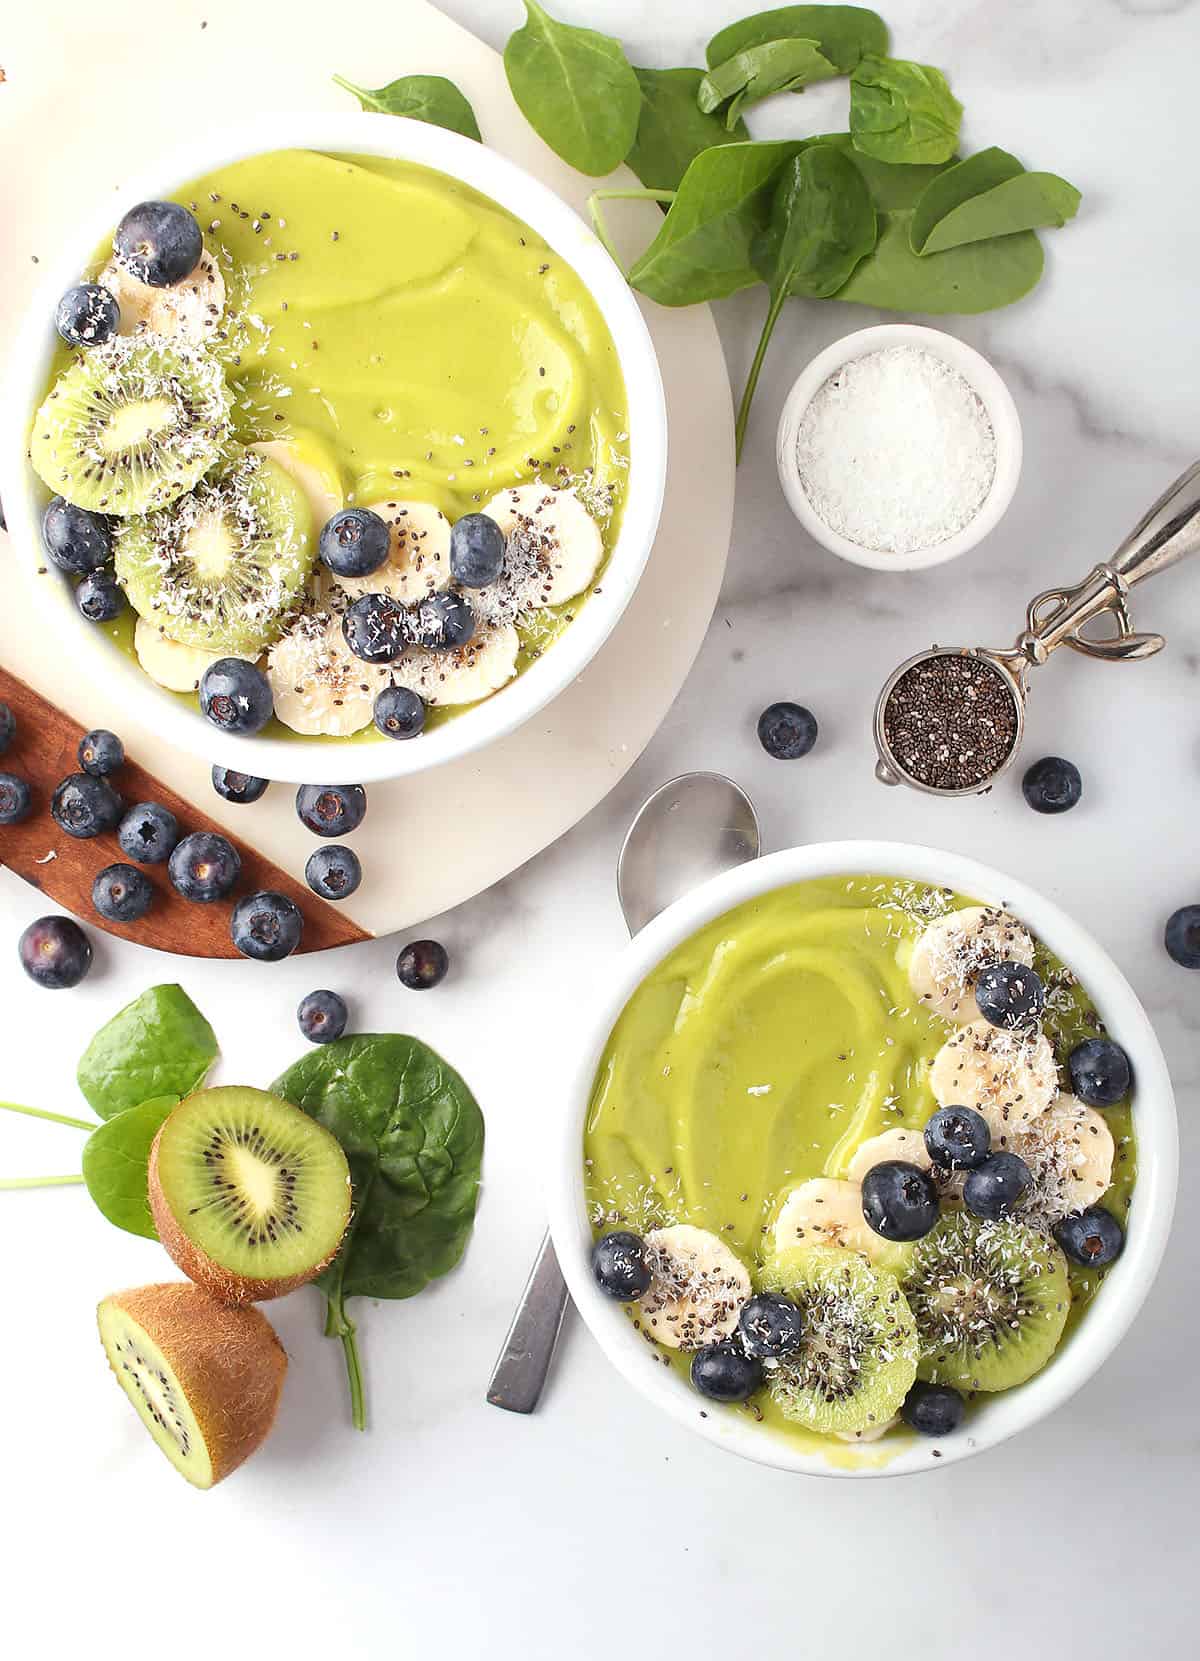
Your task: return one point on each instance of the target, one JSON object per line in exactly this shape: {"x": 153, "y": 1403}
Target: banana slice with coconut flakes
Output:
{"x": 1008, "y": 1077}
{"x": 1069, "y": 1150}
{"x": 825, "y": 1211}
{"x": 697, "y": 1288}
{"x": 190, "y": 310}
{"x": 169, "y": 662}
{"x": 318, "y": 685}
{"x": 418, "y": 562}
{"x": 948, "y": 956}
{"x": 475, "y": 671}
{"x": 553, "y": 543}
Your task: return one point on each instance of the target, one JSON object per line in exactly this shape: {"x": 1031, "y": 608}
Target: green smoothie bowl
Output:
{"x": 343, "y": 431}
{"x": 868, "y": 1159}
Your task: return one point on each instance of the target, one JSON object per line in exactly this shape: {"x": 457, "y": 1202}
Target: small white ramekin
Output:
{"x": 988, "y": 387}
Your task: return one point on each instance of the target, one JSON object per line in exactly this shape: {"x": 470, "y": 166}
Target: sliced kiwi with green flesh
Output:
{"x": 131, "y": 425}
{"x": 990, "y": 1300}
{"x": 205, "y": 1379}
{"x": 249, "y": 1195}
{"x": 858, "y": 1357}
{"x": 224, "y": 567}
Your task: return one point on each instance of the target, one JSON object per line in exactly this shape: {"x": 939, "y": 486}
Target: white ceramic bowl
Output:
{"x": 325, "y": 760}
{"x": 993, "y": 1419}
{"x": 988, "y": 387}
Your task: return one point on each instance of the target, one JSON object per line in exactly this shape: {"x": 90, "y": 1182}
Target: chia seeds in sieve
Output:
{"x": 950, "y": 721}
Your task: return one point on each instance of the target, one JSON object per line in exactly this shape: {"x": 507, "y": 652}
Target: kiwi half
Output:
{"x": 205, "y": 1379}
{"x": 858, "y": 1357}
{"x": 249, "y": 1195}
{"x": 131, "y": 426}
{"x": 223, "y": 567}
{"x": 990, "y": 1300}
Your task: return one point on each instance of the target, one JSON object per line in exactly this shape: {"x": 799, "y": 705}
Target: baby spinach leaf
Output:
{"x": 893, "y": 185}
{"x": 976, "y": 277}
{"x": 702, "y": 251}
{"x": 672, "y": 131}
{"x": 576, "y": 89}
{"x": 430, "y": 98}
{"x": 159, "y": 1045}
{"x": 116, "y": 1158}
{"x": 758, "y": 73}
{"x": 413, "y": 1135}
{"x": 844, "y": 34}
{"x": 902, "y": 111}
{"x": 978, "y": 173}
{"x": 989, "y": 194}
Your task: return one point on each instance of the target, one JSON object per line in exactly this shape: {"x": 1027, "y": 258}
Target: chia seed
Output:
{"x": 950, "y": 722}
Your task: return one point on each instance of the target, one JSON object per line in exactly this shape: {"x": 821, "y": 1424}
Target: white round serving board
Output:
{"x": 494, "y": 809}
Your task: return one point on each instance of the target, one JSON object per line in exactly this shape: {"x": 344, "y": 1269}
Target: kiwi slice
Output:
{"x": 250, "y": 1196}
{"x": 131, "y": 425}
{"x": 205, "y": 1379}
{"x": 224, "y": 567}
{"x": 858, "y": 1357}
{"x": 990, "y": 1299}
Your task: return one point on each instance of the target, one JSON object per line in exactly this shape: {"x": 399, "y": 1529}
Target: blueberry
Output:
{"x": 204, "y": 867}
{"x": 354, "y": 543}
{"x": 158, "y": 243}
{"x": 1009, "y": 995}
{"x": 476, "y": 550}
{"x": 422, "y": 964}
{"x": 1093, "y": 1237}
{"x": 101, "y": 752}
{"x": 787, "y": 731}
{"x": 236, "y": 695}
{"x": 87, "y": 315}
{"x": 619, "y": 1265}
{"x": 16, "y": 799}
{"x": 76, "y": 540}
{"x": 443, "y": 623}
{"x": 266, "y": 926}
{"x": 899, "y": 1200}
{"x": 333, "y": 873}
{"x": 770, "y": 1325}
{"x": 995, "y": 1187}
{"x": 1100, "y": 1072}
{"x": 1052, "y": 785}
{"x": 399, "y": 712}
{"x": 331, "y": 809}
{"x": 957, "y": 1138}
{"x": 55, "y": 952}
{"x": 122, "y": 893}
{"x": 322, "y": 1017}
{"x": 148, "y": 833}
{"x": 84, "y": 806}
{"x": 100, "y": 597}
{"x": 724, "y": 1372}
{"x": 376, "y": 628}
{"x": 237, "y": 787}
{"x": 1181, "y": 936}
{"x": 8, "y": 727}
{"x": 933, "y": 1409}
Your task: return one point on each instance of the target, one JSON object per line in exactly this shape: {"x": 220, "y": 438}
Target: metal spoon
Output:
{"x": 691, "y": 828}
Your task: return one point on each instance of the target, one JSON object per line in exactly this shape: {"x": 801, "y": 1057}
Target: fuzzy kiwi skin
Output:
{"x": 229, "y": 1364}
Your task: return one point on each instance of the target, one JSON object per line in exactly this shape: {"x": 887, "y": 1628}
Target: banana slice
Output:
{"x": 418, "y": 562}
{"x": 697, "y": 1287}
{"x": 873, "y": 1433}
{"x": 1008, "y": 1077}
{"x": 190, "y": 310}
{"x": 826, "y": 1212}
{"x": 554, "y": 544}
{"x": 948, "y": 956}
{"x": 308, "y": 460}
{"x": 475, "y": 671}
{"x": 318, "y": 685}
{"x": 170, "y": 662}
{"x": 1069, "y": 1150}
{"x": 908, "y": 1145}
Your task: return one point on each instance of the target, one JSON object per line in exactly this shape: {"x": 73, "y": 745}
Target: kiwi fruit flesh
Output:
{"x": 224, "y": 567}
{"x": 249, "y": 1195}
{"x": 131, "y": 425}
{"x": 204, "y": 1379}
{"x": 858, "y": 1358}
{"x": 990, "y": 1299}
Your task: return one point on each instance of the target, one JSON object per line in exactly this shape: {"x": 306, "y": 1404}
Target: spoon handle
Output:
{"x": 520, "y": 1373}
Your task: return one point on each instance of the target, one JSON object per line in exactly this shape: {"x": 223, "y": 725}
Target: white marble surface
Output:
{"x": 452, "y": 1529}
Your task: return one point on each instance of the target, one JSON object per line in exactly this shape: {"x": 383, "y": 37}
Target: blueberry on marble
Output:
{"x": 1101, "y": 1074}
{"x": 159, "y": 243}
{"x": 16, "y": 799}
{"x": 1052, "y": 785}
{"x": 354, "y": 543}
{"x": 399, "y": 712}
{"x": 236, "y": 695}
{"x": 322, "y": 1017}
{"x": 724, "y": 1372}
{"x": 619, "y": 1265}
{"x": 148, "y": 833}
{"x": 1181, "y": 935}
{"x": 55, "y": 952}
{"x": 100, "y": 752}
{"x": 122, "y": 893}
{"x": 333, "y": 873}
{"x": 422, "y": 964}
{"x": 1093, "y": 1237}
{"x": 100, "y": 597}
{"x": 899, "y": 1200}
{"x": 933, "y": 1409}
{"x": 266, "y": 926}
{"x": 957, "y": 1138}
{"x": 75, "y": 539}
{"x": 787, "y": 731}
{"x": 770, "y": 1326}
{"x": 84, "y": 806}
{"x": 995, "y": 1188}
{"x": 87, "y": 315}
{"x": 1009, "y": 995}
{"x": 331, "y": 809}
{"x": 204, "y": 867}
{"x": 476, "y": 550}
{"x": 237, "y": 787}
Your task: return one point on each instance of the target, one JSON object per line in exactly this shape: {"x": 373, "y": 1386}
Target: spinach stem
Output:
{"x": 339, "y": 1325}
{"x": 38, "y": 1182}
{"x": 600, "y": 224}
{"x": 43, "y": 1113}
{"x": 764, "y": 340}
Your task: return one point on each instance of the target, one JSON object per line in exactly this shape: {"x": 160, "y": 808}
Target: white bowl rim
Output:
{"x": 332, "y": 761}
{"x": 988, "y": 386}
{"x": 1128, "y": 1282}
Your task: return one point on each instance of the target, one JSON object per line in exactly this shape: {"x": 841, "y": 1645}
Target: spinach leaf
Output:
{"x": 576, "y": 89}
{"x": 702, "y": 251}
{"x": 893, "y": 185}
{"x": 116, "y": 1157}
{"x": 903, "y": 112}
{"x": 413, "y": 1135}
{"x": 671, "y": 130}
{"x": 758, "y": 73}
{"x": 159, "y": 1045}
{"x": 430, "y": 98}
{"x": 976, "y": 277}
{"x": 844, "y": 34}
{"x": 822, "y": 224}
{"x": 989, "y": 194}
